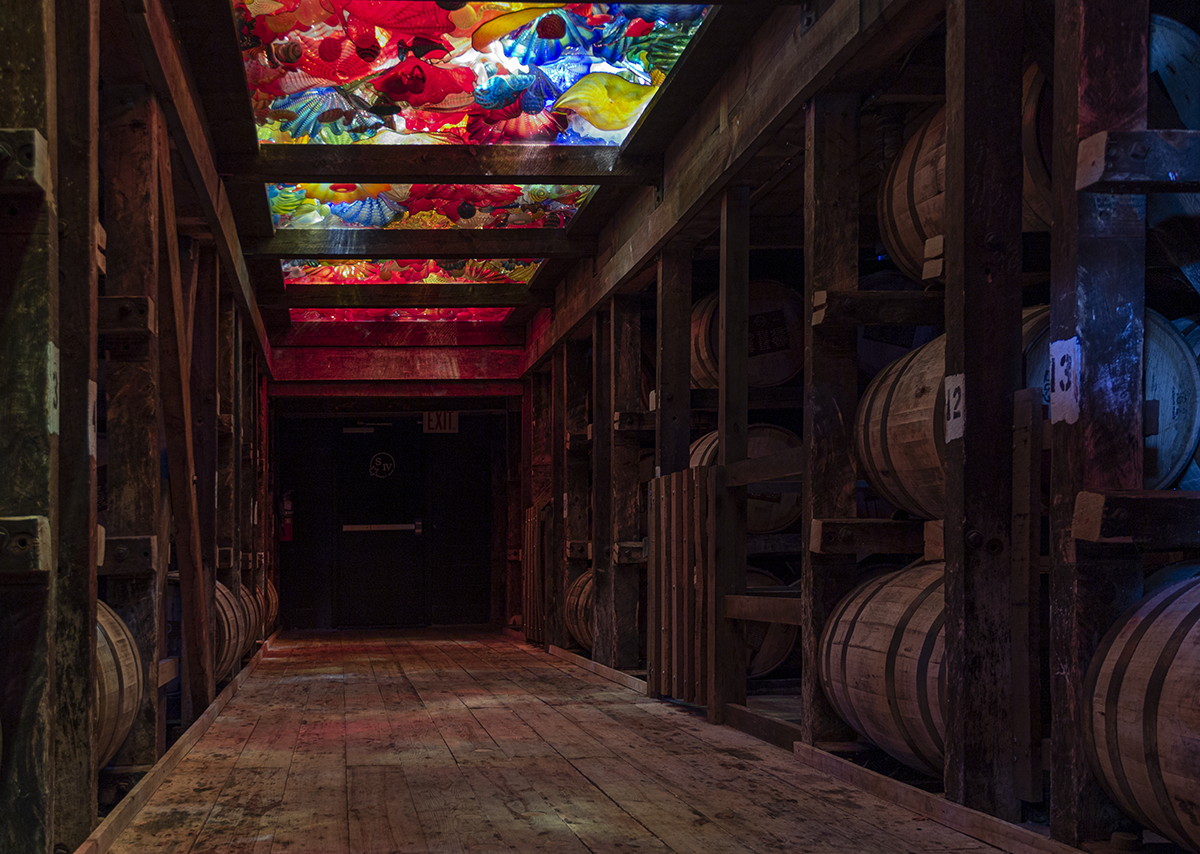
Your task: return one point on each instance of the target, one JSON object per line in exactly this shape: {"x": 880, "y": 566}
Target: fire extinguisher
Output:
{"x": 285, "y": 518}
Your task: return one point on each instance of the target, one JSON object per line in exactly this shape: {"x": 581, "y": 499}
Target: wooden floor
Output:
{"x": 436, "y": 741}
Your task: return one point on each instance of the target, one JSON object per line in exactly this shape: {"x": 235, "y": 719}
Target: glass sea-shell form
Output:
{"x": 606, "y": 101}
{"x": 393, "y": 315}
{"x": 499, "y": 91}
{"x": 667, "y": 13}
{"x": 421, "y": 271}
{"x": 547, "y": 38}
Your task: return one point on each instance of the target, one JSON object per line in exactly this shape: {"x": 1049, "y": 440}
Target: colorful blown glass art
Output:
{"x": 425, "y": 205}
{"x": 425, "y": 271}
{"x": 422, "y": 315}
{"x": 413, "y": 71}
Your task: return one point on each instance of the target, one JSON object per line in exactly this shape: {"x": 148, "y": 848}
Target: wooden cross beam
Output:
{"x": 412, "y": 243}
{"x": 1124, "y": 162}
{"x": 472, "y": 295}
{"x": 443, "y": 164}
{"x": 369, "y": 364}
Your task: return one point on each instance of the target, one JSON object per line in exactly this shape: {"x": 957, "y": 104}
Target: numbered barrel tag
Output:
{"x": 956, "y": 410}
{"x": 1064, "y": 381}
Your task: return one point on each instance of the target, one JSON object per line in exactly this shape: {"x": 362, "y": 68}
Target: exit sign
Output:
{"x": 440, "y": 422}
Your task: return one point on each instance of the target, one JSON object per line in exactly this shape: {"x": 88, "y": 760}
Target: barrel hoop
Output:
{"x": 1154, "y": 689}
{"x": 884, "y": 448}
{"x": 923, "y": 683}
{"x": 106, "y": 747}
{"x": 889, "y": 668}
{"x": 1112, "y": 697}
{"x": 851, "y": 712}
{"x": 912, "y": 174}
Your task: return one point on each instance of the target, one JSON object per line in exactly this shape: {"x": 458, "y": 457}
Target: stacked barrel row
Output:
{"x": 882, "y": 655}
{"x": 238, "y": 621}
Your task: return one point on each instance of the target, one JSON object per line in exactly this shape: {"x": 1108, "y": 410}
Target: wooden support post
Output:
{"x": 514, "y": 499}
{"x": 830, "y": 383}
{"x": 77, "y": 31}
{"x": 228, "y": 543}
{"x": 174, "y": 347}
{"x": 205, "y": 321}
{"x": 526, "y": 496}
{"x": 29, "y": 438}
{"x": 133, "y": 140}
{"x": 1097, "y": 304}
{"x": 983, "y": 371}
{"x": 577, "y": 463}
{"x": 672, "y": 415}
{"x": 1027, "y": 594}
{"x": 556, "y": 569}
{"x": 246, "y": 464}
{"x": 604, "y": 627}
{"x": 625, "y": 392}
{"x": 727, "y": 507}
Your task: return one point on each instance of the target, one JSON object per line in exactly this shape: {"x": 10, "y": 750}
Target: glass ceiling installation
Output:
{"x": 422, "y": 315}
{"x": 384, "y": 71}
{"x": 425, "y": 205}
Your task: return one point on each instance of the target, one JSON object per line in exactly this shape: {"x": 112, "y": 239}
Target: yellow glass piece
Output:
{"x": 505, "y": 24}
{"x": 605, "y": 100}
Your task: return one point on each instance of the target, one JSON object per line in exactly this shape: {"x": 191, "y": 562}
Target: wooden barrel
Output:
{"x": 1170, "y": 376}
{"x": 1189, "y": 328}
{"x": 900, "y": 424}
{"x": 253, "y": 615}
{"x": 776, "y": 336}
{"x": 272, "y": 606}
{"x": 768, "y": 644}
{"x": 232, "y": 630}
{"x": 766, "y": 512}
{"x": 881, "y": 664}
{"x": 117, "y": 688}
{"x": 1141, "y": 718}
{"x": 579, "y": 611}
{"x": 911, "y": 203}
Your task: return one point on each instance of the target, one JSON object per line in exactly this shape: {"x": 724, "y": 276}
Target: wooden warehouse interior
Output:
{"x": 600, "y": 427}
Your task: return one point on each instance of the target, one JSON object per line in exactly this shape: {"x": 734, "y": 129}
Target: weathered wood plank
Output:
{"x": 625, "y": 392}
{"x": 1139, "y": 162}
{"x": 869, "y": 308}
{"x": 1162, "y": 520}
{"x": 1097, "y": 298}
{"x": 1027, "y": 595}
{"x": 556, "y": 551}
{"x": 404, "y": 296}
{"x": 227, "y": 540}
{"x": 175, "y": 387}
{"x": 392, "y": 389}
{"x": 855, "y": 536}
{"x": 319, "y": 364}
{"x": 77, "y": 54}
{"x": 788, "y": 610}
{"x": 443, "y": 164}
{"x": 672, "y": 415}
{"x": 726, "y": 677}
{"x": 411, "y": 243}
{"x": 791, "y": 464}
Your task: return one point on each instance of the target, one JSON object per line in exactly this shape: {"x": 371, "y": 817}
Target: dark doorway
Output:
{"x": 381, "y": 544}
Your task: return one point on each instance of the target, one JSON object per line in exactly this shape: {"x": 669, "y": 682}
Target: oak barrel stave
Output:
{"x": 881, "y": 658}
{"x": 117, "y": 689}
{"x": 272, "y": 606}
{"x": 579, "y": 610}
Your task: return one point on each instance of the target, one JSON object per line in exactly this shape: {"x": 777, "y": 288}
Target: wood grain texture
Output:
{"x": 436, "y": 741}
{"x": 406, "y": 243}
{"x": 1097, "y": 296}
{"x": 983, "y": 263}
{"x": 322, "y": 364}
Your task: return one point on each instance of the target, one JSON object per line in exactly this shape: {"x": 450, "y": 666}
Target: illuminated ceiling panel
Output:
{"x": 400, "y": 315}
{"x": 383, "y": 71}
{"x": 425, "y": 205}
{"x": 423, "y": 271}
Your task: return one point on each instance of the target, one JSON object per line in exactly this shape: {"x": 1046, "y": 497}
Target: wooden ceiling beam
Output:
{"x": 396, "y": 389}
{"x": 348, "y": 243}
{"x": 474, "y": 295}
{"x": 158, "y": 46}
{"x": 789, "y": 59}
{"x": 374, "y": 364}
{"x": 443, "y": 164}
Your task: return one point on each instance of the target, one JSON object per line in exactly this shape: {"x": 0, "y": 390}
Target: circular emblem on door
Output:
{"x": 382, "y": 465}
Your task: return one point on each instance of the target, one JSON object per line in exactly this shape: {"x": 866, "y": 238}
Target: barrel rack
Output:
{"x": 694, "y": 543}
{"x": 111, "y": 331}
